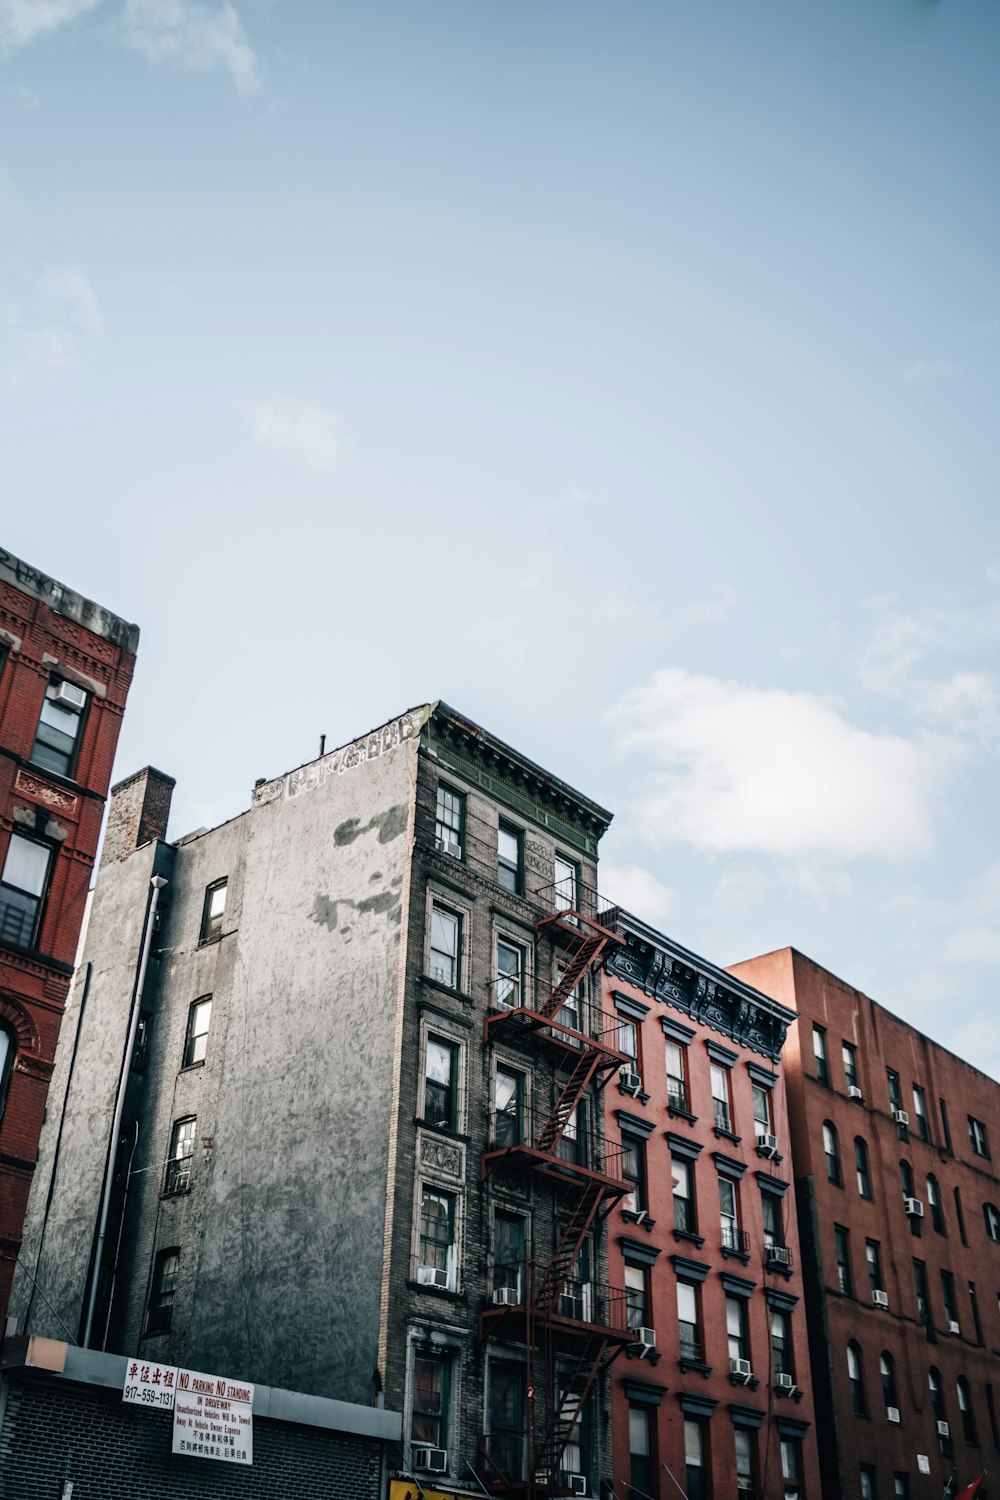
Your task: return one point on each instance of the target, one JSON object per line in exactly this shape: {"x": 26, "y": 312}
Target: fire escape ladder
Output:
{"x": 560, "y": 1267}
{"x": 572, "y": 1090}
{"x": 585, "y": 957}
{"x": 572, "y": 1389}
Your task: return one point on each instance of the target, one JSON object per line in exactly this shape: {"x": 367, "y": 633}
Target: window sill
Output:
{"x": 174, "y": 1193}
{"x": 694, "y": 1364}
{"x": 642, "y": 1217}
{"x": 653, "y": 1357}
{"x": 639, "y": 1094}
{"x": 447, "y": 1131}
{"x": 192, "y": 1067}
{"x": 690, "y": 1236}
{"x": 676, "y": 1113}
{"x": 440, "y": 988}
{"x": 721, "y": 1134}
{"x": 743, "y": 1256}
{"x": 435, "y": 1291}
{"x": 207, "y": 942}
{"x": 766, "y": 1155}
{"x": 795, "y": 1394}
{"x": 750, "y": 1385}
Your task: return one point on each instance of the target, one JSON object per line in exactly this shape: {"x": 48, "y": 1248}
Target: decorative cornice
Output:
{"x": 692, "y": 985}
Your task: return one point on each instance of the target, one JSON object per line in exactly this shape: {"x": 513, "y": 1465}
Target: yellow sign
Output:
{"x": 406, "y": 1489}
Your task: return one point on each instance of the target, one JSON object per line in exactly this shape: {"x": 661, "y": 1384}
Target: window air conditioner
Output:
{"x": 880, "y": 1299}
{"x": 431, "y": 1460}
{"x": 854, "y": 1092}
{"x": 943, "y": 1430}
{"x": 69, "y": 695}
{"x": 914, "y": 1207}
{"x": 646, "y": 1339}
{"x": 450, "y": 846}
{"x": 741, "y": 1367}
{"x": 777, "y": 1255}
{"x": 953, "y": 1326}
{"x": 784, "y": 1382}
{"x": 577, "y": 1483}
{"x": 901, "y": 1117}
{"x": 892, "y": 1414}
{"x": 432, "y": 1276}
{"x": 767, "y": 1142}
{"x": 505, "y": 1296}
{"x": 630, "y": 1082}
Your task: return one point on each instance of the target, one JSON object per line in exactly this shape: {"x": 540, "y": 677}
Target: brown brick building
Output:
{"x": 899, "y": 1218}
{"x": 714, "y": 1397}
{"x": 65, "y": 669}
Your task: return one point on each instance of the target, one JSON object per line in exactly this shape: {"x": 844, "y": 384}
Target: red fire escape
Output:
{"x": 569, "y": 1324}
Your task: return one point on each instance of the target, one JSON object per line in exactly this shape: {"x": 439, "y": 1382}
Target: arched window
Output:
{"x": 887, "y": 1370}
{"x": 8, "y": 1050}
{"x": 937, "y": 1395}
{"x": 934, "y": 1204}
{"x": 856, "y": 1379}
{"x": 832, "y": 1153}
{"x": 861, "y": 1167}
{"x": 965, "y": 1407}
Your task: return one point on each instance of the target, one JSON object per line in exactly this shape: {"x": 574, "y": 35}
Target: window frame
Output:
{"x": 978, "y": 1138}
{"x": 691, "y": 1345}
{"x": 39, "y": 899}
{"x": 634, "y": 1147}
{"x": 433, "y": 1247}
{"x": 162, "y": 1292}
{"x": 180, "y": 1164}
{"x": 991, "y": 1218}
{"x": 683, "y": 1172}
{"x": 505, "y": 868}
{"x": 856, "y": 1379}
{"x": 211, "y": 921}
{"x": 444, "y": 830}
{"x": 820, "y": 1054}
{"x": 862, "y": 1169}
{"x": 842, "y": 1260}
{"x": 722, "y": 1102}
{"x": 448, "y": 1092}
{"x": 192, "y": 1037}
{"x": 920, "y": 1113}
{"x": 7, "y": 1060}
{"x": 441, "y": 1360}
{"x": 834, "y": 1172}
{"x": 72, "y": 757}
{"x": 678, "y": 1099}
{"x": 509, "y": 982}
{"x": 849, "y": 1057}
{"x": 438, "y": 972}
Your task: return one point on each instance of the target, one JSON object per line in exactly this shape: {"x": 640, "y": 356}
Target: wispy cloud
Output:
{"x": 730, "y": 768}
{"x": 299, "y": 432}
{"x": 637, "y": 890}
{"x": 198, "y": 36}
{"x": 928, "y": 371}
{"x": 70, "y": 294}
{"x": 23, "y": 20}
{"x": 46, "y": 332}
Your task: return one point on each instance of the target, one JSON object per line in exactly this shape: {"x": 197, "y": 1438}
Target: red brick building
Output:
{"x": 714, "y": 1397}
{"x": 899, "y": 1219}
{"x": 65, "y": 669}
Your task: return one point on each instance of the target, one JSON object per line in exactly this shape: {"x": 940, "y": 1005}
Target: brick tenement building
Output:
{"x": 362, "y": 1152}
{"x": 899, "y": 1219}
{"x": 65, "y": 669}
{"x": 714, "y": 1397}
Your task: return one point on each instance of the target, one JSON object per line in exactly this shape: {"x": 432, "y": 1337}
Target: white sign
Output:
{"x": 923, "y": 1463}
{"x": 149, "y": 1384}
{"x": 213, "y": 1417}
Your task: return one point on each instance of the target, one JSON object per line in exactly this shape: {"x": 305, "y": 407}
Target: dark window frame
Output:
{"x": 163, "y": 1291}
{"x": 506, "y": 871}
{"x": 444, "y": 828}
{"x": 38, "y": 901}
{"x": 71, "y": 757}
{"x": 211, "y": 922}
{"x": 192, "y": 1038}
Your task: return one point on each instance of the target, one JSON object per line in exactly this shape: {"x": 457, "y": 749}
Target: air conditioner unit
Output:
{"x": 69, "y": 695}
{"x": 431, "y": 1460}
{"x": 450, "y": 846}
{"x": 630, "y": 1082}
{"x": 505, "y": 1296}
{"x": 432, "y": 1276}
{"x": 853, "y": 1092}
{"x": 646, "y": 1339}
{"x": 784, "y": 1382}
{"x": 953, "y": 1326}
{"x": 778, "y": 1255}
{"x": 576, "y": 1483}
{"x": 901, "y": 1117}
{"x": 943, "y": 1430}
{"x": 741, "y": 1367}
{"x": 914, "y": 1207}
{"x": 767, "y": 1142}
{"x": 892, "y": 1414}
{"x": 880, "y": 1299}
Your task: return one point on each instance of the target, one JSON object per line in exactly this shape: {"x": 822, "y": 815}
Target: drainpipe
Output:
{"x": 157, "y": 883}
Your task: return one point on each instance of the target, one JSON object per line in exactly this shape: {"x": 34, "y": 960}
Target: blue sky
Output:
{"x": 625, "y": 375}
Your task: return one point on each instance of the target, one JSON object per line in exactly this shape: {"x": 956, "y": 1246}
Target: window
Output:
{"x": 945, "y": 1127}
{"x": 937, "y": 1395}
{"x": 685, "y": 1217}
{"x": 636, "y": 1297}
{"x": 509, "y": 861}
{"x": 436, "y": 1257}
{"x": 441, "y": 1083}
{"x": 745, "y": 1488}
{"x": 57, "y": 738}
{"x": 832, "y": 1154}
{"x": 861, "y": 1167}
{"x": 508, "y": 1108}
{"x": 866, "y": 1482}
{"x": 677, "y": 1094}
{"x": 732, "y": 1237}
{"x": 213, "y": 911}
{"x": 992, "y": 1218}
{"x": 505, "y": 1414}
{"x": 761, "y": 1110}
{"x": 720, "y": 1099}
{"x": 642, "y": 1475}
{"x": 22, "y": 888}
{"x": 977, "y": 1137}
{"x": 568, "y": 1013}
{"x": 141, "y": 1048}
{"x": 819, "y": 1053}
{"x": 689, "y": 1322}
{"x": 634, "y": 1172}
{"x": 922, "y": 1292}
{"x": 791, "y": 1469}
{"x": 449, "y": 822}
{"x": 161, "y": 1295}
{"x": 948, "y": 1301}
{"x": 856, "y": 1380}
{"x": 901, "y": 1487}
{"x": 906, "y": 1182}
{"x": 196, "y": 1039}
{"x": 895, "y": 1089}
{"x": 934, "y": 1204}
{"x": 570, "y": 1144}
{"x": 969, "y": 1430}
{"x": 842, "y": 1251}
{"x": 992, "y": 1409}
{"x": 960, "y": 1216}
{"x": 446, "y": 935}
{"x": 431, "y": 1381}
{"x": 508, "y": 1252}
{"x": 887, "y": 1372}
{"x": 850, "y": 1056}
{"x": 566, "y": 884}
{"x": 510, "y": 974}
{"x": 736, "y": 1330}
{"x": 782, "y": 1352}
{"x": 774, "y": 1233}
{"x": 8, "y": 1051}
{"x": 873, "y": 1257}
{"x": 181, "y": 1156}
{"x": 974, "y": 1304}
{"x": 628, "y": 1042}
{"x": 920, "y": 1113}
{"x": 694, "y": 1460}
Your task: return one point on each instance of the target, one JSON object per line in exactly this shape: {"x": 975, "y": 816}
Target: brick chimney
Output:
{"x": 140, "y": 807}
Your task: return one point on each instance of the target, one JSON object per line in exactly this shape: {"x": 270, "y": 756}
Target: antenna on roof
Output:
{"x": 322, "y": 744}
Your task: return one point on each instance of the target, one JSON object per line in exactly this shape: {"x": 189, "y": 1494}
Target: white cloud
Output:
{"x": 198, "y": 36}
{"x": 736, "y": 768}
{"x": 927, "y": 371}
{"x": 301, "y": 432}
{"x": 22, "y": 20}
{"x": 72, "y": 295}
{"x": 32, "y": 352}
{"x": 637, "y": 890}
{"x": 968, "y": 702}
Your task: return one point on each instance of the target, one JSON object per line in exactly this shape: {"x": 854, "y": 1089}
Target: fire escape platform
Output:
{"x": 519, "y": 1024}
{"x": 567, "y": 1174}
